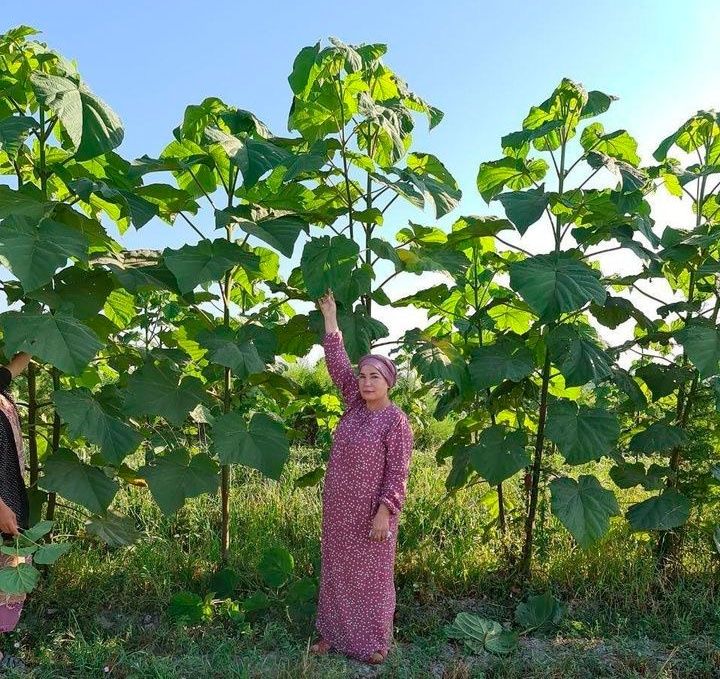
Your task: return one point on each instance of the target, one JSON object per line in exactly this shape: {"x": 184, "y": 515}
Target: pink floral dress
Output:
{"x": 369, "y": 462}
{"x": 12, "y": 491}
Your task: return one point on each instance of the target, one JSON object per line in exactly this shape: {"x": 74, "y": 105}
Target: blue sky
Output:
{"x": 482, "y": 63}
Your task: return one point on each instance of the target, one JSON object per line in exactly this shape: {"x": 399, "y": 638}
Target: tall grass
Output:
{"x": 101, "y": 608}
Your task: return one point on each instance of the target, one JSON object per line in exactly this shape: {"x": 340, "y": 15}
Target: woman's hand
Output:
{"x": 327, "y": 307}
{"x": 8, "y": 520}
{"x": 380, "y": 530}
{"x": 18, "y": 363}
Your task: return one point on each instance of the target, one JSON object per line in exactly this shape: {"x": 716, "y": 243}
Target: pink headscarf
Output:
{"x": 382, "y": 364}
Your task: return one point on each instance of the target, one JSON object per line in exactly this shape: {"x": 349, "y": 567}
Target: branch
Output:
{"x": 600, "y": 252}
{"x": 594, "y": 172}
{"x": 647, "y": 294}
{"x": 392, "y": 200}
{"x": 390, "y": 277}
{"x": 514, "y": 247}
{"x": 194, "y": 228}
{"x": 202, "y": 188}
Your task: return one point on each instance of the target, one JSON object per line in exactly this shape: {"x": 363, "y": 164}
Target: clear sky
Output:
{"x": 482, "y": 63}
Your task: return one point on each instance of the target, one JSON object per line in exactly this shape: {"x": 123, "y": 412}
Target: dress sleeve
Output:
{"x": 339, "y": 367}
{"x": 5, "y": 377}
{"x": 398, "y": 444}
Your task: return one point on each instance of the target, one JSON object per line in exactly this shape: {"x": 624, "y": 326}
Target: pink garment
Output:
{"x": 369, "y": 463}
{"x": 10, "y": 616}
{"x": 11, "y": 605}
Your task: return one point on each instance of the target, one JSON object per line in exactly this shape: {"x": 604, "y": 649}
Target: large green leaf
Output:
{"x": 627, "y": 383}
{"x": 507, "y": 359}
{"x": 615, "y": 311}
{"x": 263, "y": 338}
{"x": 627, "y": 475}
{"x": 668, "y": 510}
{"x": 25, "y": 202}
{"x": 263, "y": 445}
{"x": 619, "y": 144}
{"x": 18, "y": 579}
{"x": 206, "y": 262}
{"x": 658, "y": 438}
{"x": 253, "y": 157}
{"x": 58, "y": 339}
{"x": 124, "y": 207}
{"x": 295, "y": 336}
{"x": 662, "y": 380}
{"x": 186, "y": 607}
{"x": 524, "y": 208}
{"x": 480, "y": 634}
{"x": 328, "y": 264}
{"x": 702, "y": 346}
{"x": 13, "y": 132}
{"x": 85, "y": 417}
{"x": 556, "y": 284}
{"x": 689, "y": 136}
{"x": 516, "y": 144}
{"x": 33, "y": 250}
{"x": 581, "y": 433}
{"x": 225, "y": 348}
{"x": 584, "y": 507}
{"x": 566, "y": 103}
{"x": 579, "y": 359}
{"x": 436, "y": 359}
{"x": 78, "y": 291}
{"x": 279, "y": 232}
{"x": 49, "y": 554}
{"x": 433, "y": 181}
{"x": 432, "y": 257}
{"x": 91, "y": 126}
{"x": 513, "y": 173}
{"x": 157, "y": 390}
{"x": 541, "y": 611}
{"x": 114, "y": 530}
{"x": 82, "y": 483}
{"x": 276, "y": 566}
{"x": 498, "y": 454}
{"x": 470, "y": 229}
{"x": 177, "y": 476}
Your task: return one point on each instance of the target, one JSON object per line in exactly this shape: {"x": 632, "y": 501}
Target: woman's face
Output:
{"x": 372, "y": 384}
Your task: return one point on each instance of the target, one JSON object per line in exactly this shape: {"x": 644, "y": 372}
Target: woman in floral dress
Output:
{"x": 363, "y": 495}
{"x": 14, "y": 512}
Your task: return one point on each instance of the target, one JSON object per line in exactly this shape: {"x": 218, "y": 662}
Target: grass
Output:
{"x": 102, "y": 612}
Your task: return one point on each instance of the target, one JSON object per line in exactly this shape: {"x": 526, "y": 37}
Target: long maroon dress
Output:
{"x": 369, "y": 462}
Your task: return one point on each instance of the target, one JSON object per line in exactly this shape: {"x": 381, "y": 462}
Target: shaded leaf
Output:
{"x": 581, "y": 433}
{"x": 79, "y": 482}
{"x": 174, "y": 477}
{"x": 262, "y": 445}
{"x": 584, "y": 507}
{"x": 498, "y": 454}
{"x": 670, "y": 509}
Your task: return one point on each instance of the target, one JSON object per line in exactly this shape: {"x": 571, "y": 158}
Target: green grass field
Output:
{"x": 102, "y": 612}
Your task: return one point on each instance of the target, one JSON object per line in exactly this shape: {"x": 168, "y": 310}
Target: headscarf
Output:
{"x": 382, "y": 364}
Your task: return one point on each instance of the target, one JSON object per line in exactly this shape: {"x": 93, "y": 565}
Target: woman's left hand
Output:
{"x": 380, "y": 530}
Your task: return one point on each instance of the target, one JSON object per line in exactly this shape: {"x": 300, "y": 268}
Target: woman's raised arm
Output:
{"x": 336, "y": 358}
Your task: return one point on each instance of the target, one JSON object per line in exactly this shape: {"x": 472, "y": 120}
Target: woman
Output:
{"x": 14, "y": 509}
{"x": 364, "y": 492}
